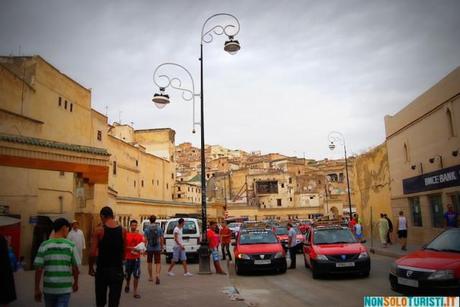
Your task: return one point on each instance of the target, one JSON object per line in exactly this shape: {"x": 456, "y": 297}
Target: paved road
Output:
{"x": 298, "y": 288}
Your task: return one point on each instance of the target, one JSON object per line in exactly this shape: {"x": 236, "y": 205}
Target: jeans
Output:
{"x": 111, "y": 279}
{"x": 226, "y": 251}
{"x": 57, "y": 300}
{"x": 292, "y": 254}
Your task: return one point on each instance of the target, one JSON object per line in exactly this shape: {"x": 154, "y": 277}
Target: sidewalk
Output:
{"x": 197, "y": 290}
{"x": 393, "y": 250}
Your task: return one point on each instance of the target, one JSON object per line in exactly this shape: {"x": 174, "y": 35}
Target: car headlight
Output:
{"x": 244, "y": 256}
{"x": 279, "y": 255}
{"x": 363, "y": 255}
{"x": 321, "y": 257}
{"x": 393, "y": 268}
{"x": 442, "y": 275}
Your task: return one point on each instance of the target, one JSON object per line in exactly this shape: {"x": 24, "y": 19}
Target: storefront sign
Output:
{"x": 445, "y": 178}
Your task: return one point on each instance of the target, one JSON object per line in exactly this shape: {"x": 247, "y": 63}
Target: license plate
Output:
{"x": 262, "y": 261}
{"x": 344, "y": 264}
{"x": 408, "y": 282}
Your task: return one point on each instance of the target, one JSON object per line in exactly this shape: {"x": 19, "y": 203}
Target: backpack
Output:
{"x": 154, "y": 235}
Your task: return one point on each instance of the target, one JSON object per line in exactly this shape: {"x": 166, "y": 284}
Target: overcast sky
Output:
{"x": 305, "y": 67}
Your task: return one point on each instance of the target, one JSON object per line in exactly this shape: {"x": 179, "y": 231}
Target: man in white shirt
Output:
{"x": 402, "y": 230}
{"x": 179, "y": 249}
{"x": 292, "y": 244}
{"x": 76, "y": 236}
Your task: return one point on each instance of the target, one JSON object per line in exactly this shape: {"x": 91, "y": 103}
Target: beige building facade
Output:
{"x": 424, "y": 161}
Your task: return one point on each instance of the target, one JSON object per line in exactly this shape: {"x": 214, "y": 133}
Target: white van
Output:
{"x": 191, "y": 235}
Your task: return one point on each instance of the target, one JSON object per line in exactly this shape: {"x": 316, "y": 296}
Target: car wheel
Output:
{"x": 282, "y": 269}
{"x": 238, "y": 270}
{"x": 314, "y": 273}
{"x": 366, "y": 273}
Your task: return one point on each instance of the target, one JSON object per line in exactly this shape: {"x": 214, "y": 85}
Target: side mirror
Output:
{"x": 233, "y": 243}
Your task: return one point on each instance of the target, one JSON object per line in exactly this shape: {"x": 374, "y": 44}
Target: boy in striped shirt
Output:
{"x": 59, "y": 259}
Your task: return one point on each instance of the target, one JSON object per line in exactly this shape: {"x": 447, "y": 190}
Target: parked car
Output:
{"x": 282, "y": 235}
{"x": 191, "y": 235}
{"x": 235, "y": 228}
{"x": 434, "y": 269}
{"x": 258, "y": 250}
{"x": 332, "y": 249}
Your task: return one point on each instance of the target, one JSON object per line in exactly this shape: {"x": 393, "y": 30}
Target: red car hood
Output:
{"x": 427, "y": 259}
{"x": 259, "y": 248}
{"x": 334, "y": 249}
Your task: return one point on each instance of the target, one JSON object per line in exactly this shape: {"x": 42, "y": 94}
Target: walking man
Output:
{"x": 154, "y": 237}
{"x": 292, "y": 244}
{"x": 133, "y": 257}
{"x": 76, "y": 236}
{"x": 179, "y": 249}
{"x": 108, "y": 245}
{"x": 226, "y": 239}
{"x": 390, "y": 228}
{"x": 213, "y": 239}
{"x": 402, "y": 230}
{"x": 58, "y": 259}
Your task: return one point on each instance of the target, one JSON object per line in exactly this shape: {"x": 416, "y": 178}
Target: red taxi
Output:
{"x": 331, "y": 249}
{"x": 258, "y": 250}
{"x": 434, "y": 269}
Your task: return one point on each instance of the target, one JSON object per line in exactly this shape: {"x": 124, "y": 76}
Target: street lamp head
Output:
{"x": 332, "y": 146}
{"x": 161, "y": 99}
{"x": 232, "y": 46}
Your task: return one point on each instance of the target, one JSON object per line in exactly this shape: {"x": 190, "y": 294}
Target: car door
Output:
{"x": 307, "y": 249}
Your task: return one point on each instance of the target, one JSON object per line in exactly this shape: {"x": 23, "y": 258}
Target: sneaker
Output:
{"x": 188, "y": 274}
{"x": 171, "y": 273}
{"x": 157, "y": 281}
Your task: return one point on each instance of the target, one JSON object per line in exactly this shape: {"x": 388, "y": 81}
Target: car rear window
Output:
{"x": 189, "y": 228}
{"x": 333, "y": 236}
{"x": 258, "y": 237}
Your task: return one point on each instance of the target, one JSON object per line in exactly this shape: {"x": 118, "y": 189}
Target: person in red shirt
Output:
{"x": 213, "y": 240}
{"x": 226, "y": 239}
{"x": 133, "y": 257}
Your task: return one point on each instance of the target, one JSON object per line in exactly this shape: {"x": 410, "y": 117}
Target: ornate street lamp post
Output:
{"x": 337, "y": 137}
{"x": 161, "y": 99}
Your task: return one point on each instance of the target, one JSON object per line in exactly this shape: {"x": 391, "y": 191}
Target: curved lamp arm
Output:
{"x": 229, "y": 29}
{"x": 176, "y": 83}
{"x": 336, "y": 137}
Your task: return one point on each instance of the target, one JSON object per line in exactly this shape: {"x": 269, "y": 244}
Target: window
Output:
{"x": 137, "y": 163}
{"x": 178, "y": 189}
{"x": 406, "y": 153}
{"x": 267, "y": 187}
{"x": 456, "y": 201}
{"x": 114, "y": 167}
{"x": 172, "y": 176}
{"x": 167, "y": 186}
{"x": 290, "y": 198}
{"x": 178, "y": 195}
{"x": 450, "y": 122}
{"x": 341, "y": 177}
{"x": 71, "y": 107}
{"x": 61, "y": 173}
{"x": 60, "y": 101}
{"x": 65, "y": 105}
{"x": 278, "y": 202}
{"x": 437, "y": 216}
{"x": 282, "y": 185}
{"x": 134, "y": 183}
{"x": 414, "y": 205}
{"x": 99, "y": 135}
{"x": 290, "y": 180}
{"x": 142, "y": 183}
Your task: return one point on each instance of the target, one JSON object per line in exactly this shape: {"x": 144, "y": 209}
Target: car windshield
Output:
{"x": 280, "y": 231}
{"x": 189, "y": 228}
{"x": 448, "y": 241}
{"x": 258, "y": 237}
{"x": 333, "y": 236}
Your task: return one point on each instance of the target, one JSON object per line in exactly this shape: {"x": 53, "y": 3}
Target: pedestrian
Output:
{"x": 352, "y": 223}
{"x": 402, "y": 230}
{"x": 383, "y": 230}
{"x": 292, "y": 245}
{"x": 108, "y": 245}
{"x": 154, "y": 237}
{"x": 358, "y": 231}
{"x": 226, "y": 239}
{"x": 213, "y": 240}
{"x": 76, "y": 236}
{"x": 179, "y": 249}
{"x": 133, "y": 258}
{"x": 451, "y": 217}
{"x": 390, "y": 229}
{"x": 58, "y": 259}
{"x": 7, "y": 288}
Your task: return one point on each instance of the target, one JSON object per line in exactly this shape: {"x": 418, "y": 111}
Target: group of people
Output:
{"x": 386, "y": 230}
{"x": 116, "y": 252}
